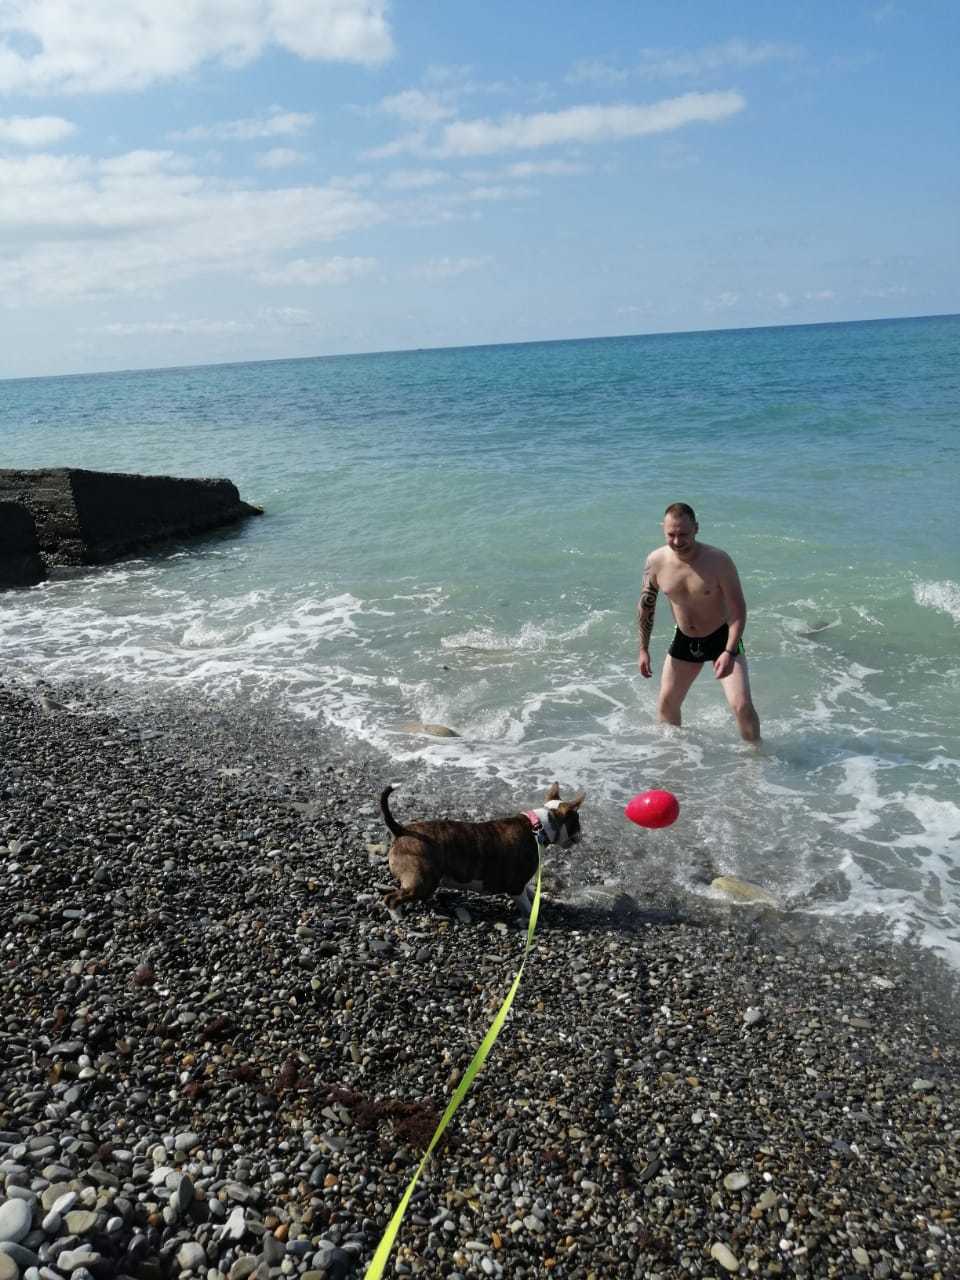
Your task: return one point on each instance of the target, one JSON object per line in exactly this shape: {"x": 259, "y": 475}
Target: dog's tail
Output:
{"x": 388, "y": 817}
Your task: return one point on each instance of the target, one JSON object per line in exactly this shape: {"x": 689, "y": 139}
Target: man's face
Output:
{"x": 680, "y": 533}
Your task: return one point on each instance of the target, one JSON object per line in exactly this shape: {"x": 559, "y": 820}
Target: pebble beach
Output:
{"x": 222, "y": 1057}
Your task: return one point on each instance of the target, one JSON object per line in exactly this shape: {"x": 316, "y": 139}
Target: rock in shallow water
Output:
{"x": 737, "y": 890}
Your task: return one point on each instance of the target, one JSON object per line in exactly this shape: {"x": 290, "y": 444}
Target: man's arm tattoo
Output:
{"x": 645, "y": 609}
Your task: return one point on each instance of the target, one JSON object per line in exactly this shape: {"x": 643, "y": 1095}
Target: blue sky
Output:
{"x": 213, "y": 180}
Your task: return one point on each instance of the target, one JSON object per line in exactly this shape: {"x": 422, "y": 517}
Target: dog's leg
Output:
{"x": 396, "y": 896}
{"x": 523, "y": 902}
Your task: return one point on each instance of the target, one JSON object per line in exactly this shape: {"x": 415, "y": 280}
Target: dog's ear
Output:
{"x": 553, "y": 793}
{"x": 569, "y": 806}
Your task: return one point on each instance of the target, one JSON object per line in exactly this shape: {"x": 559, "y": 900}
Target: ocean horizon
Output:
{"x": 473, "y": 346}
{"x": 455, "y": 535}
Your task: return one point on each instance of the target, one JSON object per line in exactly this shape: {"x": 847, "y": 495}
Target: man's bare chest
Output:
{"x": 682, "y": 584}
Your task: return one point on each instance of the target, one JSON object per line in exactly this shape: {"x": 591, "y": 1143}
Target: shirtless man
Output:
{"x": 703, "y": 587}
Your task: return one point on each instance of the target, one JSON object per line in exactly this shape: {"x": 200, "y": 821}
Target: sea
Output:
{"x": 456, "y": 537}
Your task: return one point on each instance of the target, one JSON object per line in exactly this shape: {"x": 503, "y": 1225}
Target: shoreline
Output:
{"x": 200, "y": 978}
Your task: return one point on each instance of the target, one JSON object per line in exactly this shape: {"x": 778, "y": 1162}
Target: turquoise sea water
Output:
{"x": 457, "y": 536}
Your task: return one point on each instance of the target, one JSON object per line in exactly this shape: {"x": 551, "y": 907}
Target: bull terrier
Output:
{"x": 499, "y": 856}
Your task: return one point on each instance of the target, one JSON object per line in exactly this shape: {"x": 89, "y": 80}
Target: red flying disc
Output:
{"x": 653, "y": 809}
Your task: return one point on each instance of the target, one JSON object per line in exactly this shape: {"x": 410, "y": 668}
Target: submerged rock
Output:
{"x": 738, "y": 890}
{"x": 435, "y": 730}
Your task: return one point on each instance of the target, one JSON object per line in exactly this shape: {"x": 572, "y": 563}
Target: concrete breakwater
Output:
{"x": 69, "y": 516}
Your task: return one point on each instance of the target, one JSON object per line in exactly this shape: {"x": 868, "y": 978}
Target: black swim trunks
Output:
{"x": 701, "y": 648}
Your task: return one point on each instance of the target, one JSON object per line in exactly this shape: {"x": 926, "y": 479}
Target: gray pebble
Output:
{"x": 16, "y": 1218}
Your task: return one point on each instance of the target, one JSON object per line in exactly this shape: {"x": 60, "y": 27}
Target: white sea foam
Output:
{"x": 942, "y": 596}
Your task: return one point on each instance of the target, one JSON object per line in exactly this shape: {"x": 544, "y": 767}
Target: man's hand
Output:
{"x": 643, "y": 662}
{"x": 723, "y": 665}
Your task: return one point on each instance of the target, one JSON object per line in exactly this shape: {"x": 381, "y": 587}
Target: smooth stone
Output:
{"x": 728, "y": 1260}
{"x": 185, "y": 1193}
{"x": 16, "y": 1218}
{"x": 738, "y": 890}
{"x": 235, "y": 1227}
{"x": 80, "y": 1222}
{"x": 186, "y": 1141}
{"x": 435, "y": 730}
{"x": 8, "y": 1268}
{"x": 16, "y": 1192}
{"x": 274, "y": 1251}
{"x": 241, "y": 1193}
{"x": 64, "y": 1202}
{"x": 22, "y": 1257}
{"x": 244, "y": 1266}
{"x": 191, "y": 1256}
{"x": 736, "y": 1181}
{"x": 74, "y": 1259}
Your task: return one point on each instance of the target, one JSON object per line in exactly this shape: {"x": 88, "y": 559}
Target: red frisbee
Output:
{"x": 653, "y": 809}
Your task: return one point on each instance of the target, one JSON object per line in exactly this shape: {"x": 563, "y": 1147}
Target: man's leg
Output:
{"x": 736, "y": 686}
{"x": 675, "y": 682}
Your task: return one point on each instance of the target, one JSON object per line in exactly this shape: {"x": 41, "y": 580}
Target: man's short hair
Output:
{"x": 680, "y": 509}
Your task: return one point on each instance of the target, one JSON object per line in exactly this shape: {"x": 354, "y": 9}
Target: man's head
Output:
{"x": 680, "y": 529}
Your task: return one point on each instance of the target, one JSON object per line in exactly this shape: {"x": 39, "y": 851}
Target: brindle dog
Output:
{"x": 499, "y": 856}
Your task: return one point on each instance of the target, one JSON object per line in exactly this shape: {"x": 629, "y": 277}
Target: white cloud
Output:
{"x": 721, "y": 301}
{"x": 449, "y": 268}
{"x": 736, "y": 53}
{"x": 305, "y": 271}
{"x": 528, "y": 169}
{"x": 409, "y": 143}
{"x": 417, "y": 107}
{"x": 285, "y": 317}
{"x": 596, "y": 71}
{"x": 276, "y": 123}
{"x": 89, "y": 46}
{"x": 280, "y": 158}
{"x": 887, "y": 291}
{"x": 270, "y": 318}
{"x": 491, "y": 193}
{"x": 171, "y": 328}
{"x": 586, "y": 124}
{"x": 546, "y": 168}
{"x": 139, "y": 222}
{"x": 673, "y": 64}
{"x": 820, "y": 295}
{"x": 415, "y": 179}
{"x": 35, "y": 131}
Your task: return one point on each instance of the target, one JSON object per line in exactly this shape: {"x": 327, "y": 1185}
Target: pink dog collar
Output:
{"x": 541, "y": 831}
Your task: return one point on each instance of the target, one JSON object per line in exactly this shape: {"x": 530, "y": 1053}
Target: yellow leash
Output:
{"x": 375, "y": 1270}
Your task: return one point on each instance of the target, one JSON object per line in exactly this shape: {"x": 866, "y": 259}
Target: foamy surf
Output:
{"x": 944, "y": 597}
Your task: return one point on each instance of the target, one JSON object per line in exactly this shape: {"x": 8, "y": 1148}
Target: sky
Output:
{"x": 201, "y": 181}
